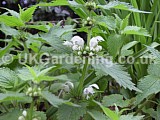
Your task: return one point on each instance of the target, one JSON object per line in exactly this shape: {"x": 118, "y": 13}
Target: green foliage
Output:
{"x": 66, "y": 112}
{"x": 106, "y": 67}
{"x": 131, "y": 117}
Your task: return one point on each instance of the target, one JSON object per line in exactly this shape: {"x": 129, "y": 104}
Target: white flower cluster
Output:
{"x": 33, "y": 92}
{"x": 90, "y": 90}
{"x": 77, "y": 44}
{"x": 24, "y": 115}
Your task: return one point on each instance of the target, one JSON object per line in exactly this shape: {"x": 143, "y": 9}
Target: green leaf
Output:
{"x": 116, "y": 71}
{"x": 121, "y": 5}
{"x": 11, "y": 21}
{"x": 125, "y": 22}
{"x": 55, "y": 37}
{"x": 134, "y": 30}
{"x": 66, "y": 112}
{"x": 125, "y": 49}
{"x": 44, "y": 28}
{"x": 39, "y": 115}
{"x": 115, "y": 43}
{"x": 52, "y": 99}
{"x": 8, "y": 30}
{"x": 26, "y": 15}
{"x": 106, "y": 21}
{"x": 14, "y": 96}
{"x": 96, "y": 115}
{"x": 12, "y": 12}
{"x": 14, "y": 114}
{"x": 8, "y": 78}
{"x": 111, "y": 114}
{"x": 55, "y": 3}
{"x": 131, "y": 117}
{"x": 150, "y": 83}
{"x": 117, "y": 99}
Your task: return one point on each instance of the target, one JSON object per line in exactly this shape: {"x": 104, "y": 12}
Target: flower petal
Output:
{"x": 94, "y": 85}
{"x": 67, "y": 43}
{"x": 78, "y": 41}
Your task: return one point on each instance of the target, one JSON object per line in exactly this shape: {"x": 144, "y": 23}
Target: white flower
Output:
{"x": 98, "y": 48}
{"x": 76, "y": 40}
{"x": 70, "y": 84}
{"x": 94, "y": 43}
{"x": 30, "y": 89}
{"x": 21, "y": 118}
{"x": 66, "y": 88}
{"x": 76, "y": 43}
{"x": 84, "y": 52}
{"x": 90, "y": 90}
{"x": 24, "y": 113}
{"x": 67, "y": 43}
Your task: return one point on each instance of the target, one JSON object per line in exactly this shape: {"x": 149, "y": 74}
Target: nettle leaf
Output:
{"x": 121, "y": 5}
{"x": 115, "y": 42}
{"x": 150, "y": 83}
{"x": 124, "y": 22}
{"x": 130, "y": 117}
{"x": 14, "y": 115}
{"x": 8, "y": 30}
{"x": 26, "y": 15}
{"x": 66, "y": 112}
{"x": 39, "y": 115}
{"x": 111, "y": 114}
{"x": 54, "y": 3}
{"x": 97, "y": 115}
{"x": 125, "y": 51}
{"x": 11, "y": 21}
{"x": 14, "y": 96}
{"x": 12, "y": 12}
{"x": 44, "y": 28}
{"x": 52, "y": 99}
{"x": 134, "y": 30}
{"x": 117, "y": 99}
{"x": 106, "y": 21}
{"x": 8, "y": 78}
{"x": 55, "y": 37}
{"x": 75, "y": 4}
{"x": 116, "y": 71}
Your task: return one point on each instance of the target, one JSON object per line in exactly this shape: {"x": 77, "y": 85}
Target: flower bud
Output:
{"x": 90, "y": 5}
{"x": 24, "y": 113}
{"x": 34, "y": 119}
{"x": 21, "y": 118}
{"x": 79, "y": 53}
{"x": 87, "y": 48}
{"x": 35, "y": 93}
{"x": 84, "y": 52}
{"x": 91, "y": 54}
{"x": 30, "y": 89}
{"x": 30, "y": 94}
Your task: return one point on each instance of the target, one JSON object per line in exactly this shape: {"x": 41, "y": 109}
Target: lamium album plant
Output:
{"x": 116, "y": 76}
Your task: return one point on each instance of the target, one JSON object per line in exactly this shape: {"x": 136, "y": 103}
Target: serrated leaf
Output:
{"x": 12, "y": 12}
{"x": 116, "y": 71}
{"x": 125, "y": 49}
{"x": 66, "y": 112}
{"x": 121, "y": 5}
{"x": 8, "y": 78}
{"x": 55, "y": 35}
{"x": 26, "y": 15}
{"x": 106, "y": 21}
{"x": 52, "y": 99}
{"x": 114, "y": 44}
{"x": 117, "y": 99}
{"x": 111, "y": 114}
{"x": 131, "y": 117}
{"x": 54, "y": 3}
{"x": 96, "y": 115}
{"x": 11, "y": 21}
{"x": 44, "y": 28}
{"x": 134, "y": 30}
{"x": 125, "y": 22}
{"x": 8, "y": 30}
{"x": 11, "y": 115}
{"x": 14, "y": 96}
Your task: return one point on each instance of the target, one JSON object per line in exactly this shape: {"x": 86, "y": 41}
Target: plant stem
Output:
{"x": 31, "y": 110}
